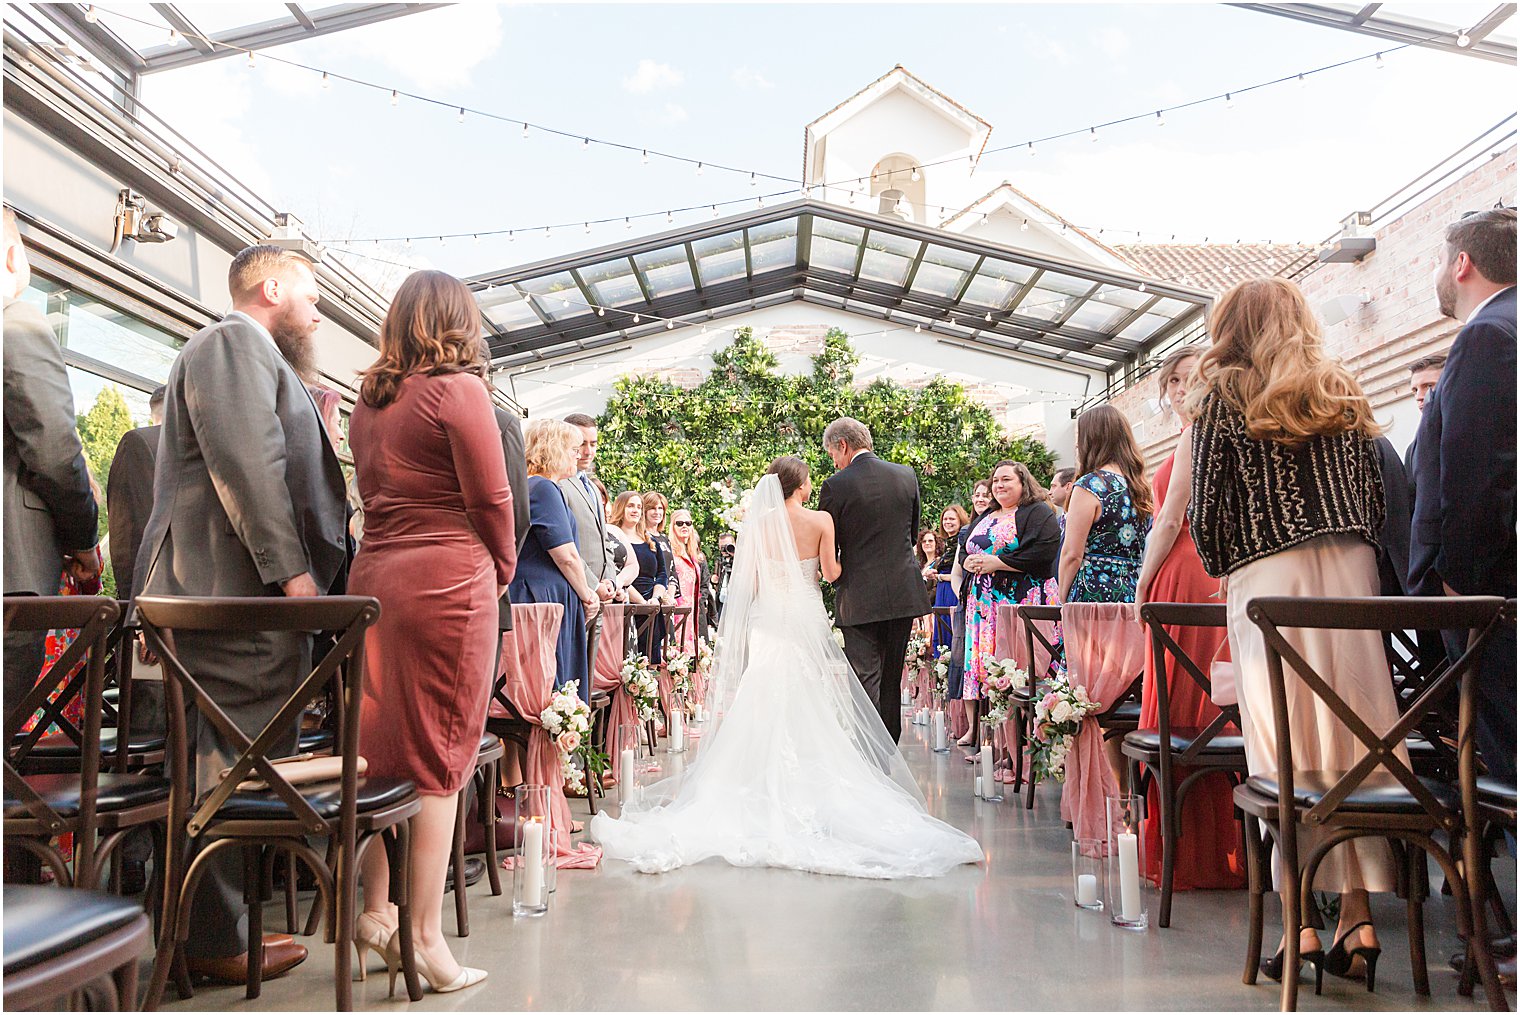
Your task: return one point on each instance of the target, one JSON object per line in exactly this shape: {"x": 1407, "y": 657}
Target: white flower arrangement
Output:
{"x": 942, "y": 675}
{"x": 704, "y": 658}
{"x": 736, "y": 511}
{"x": 642, "y": 687}
{"x": 1058, "y": 717}
{"x": 679, "y": 666}
{"x": 1001, "y": 678}
{"x": 567, "y": 720}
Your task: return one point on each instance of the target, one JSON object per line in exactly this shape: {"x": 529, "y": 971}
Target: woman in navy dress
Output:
{"x": 1109, "y": 513}
{"x": 549, "y": 568}
{"x": 951, "y": 521}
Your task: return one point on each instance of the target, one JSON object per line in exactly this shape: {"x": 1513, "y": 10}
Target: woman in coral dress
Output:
{"x": 1209, "y": 851}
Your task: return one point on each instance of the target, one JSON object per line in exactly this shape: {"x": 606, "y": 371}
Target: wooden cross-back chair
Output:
{"x": 269, "y": 815}
{"x": 1379, "y": 796}
{"x": 1023, "y": 702}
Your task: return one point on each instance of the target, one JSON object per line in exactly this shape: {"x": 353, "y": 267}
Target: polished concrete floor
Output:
{"x": 1003, "y": 935}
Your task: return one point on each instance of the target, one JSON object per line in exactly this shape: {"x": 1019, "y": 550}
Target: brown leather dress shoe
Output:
{"x": 281, "y": 955}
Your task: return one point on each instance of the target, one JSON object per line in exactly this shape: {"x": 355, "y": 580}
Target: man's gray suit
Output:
{"x": 248, "y": 494}
{"x": 591, "y": 543}
{"x": 49, "y": 509}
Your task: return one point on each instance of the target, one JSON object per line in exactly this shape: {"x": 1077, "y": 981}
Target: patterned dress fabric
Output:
{"x": 1111, "y": 564}
{"x": 994, "y": 535}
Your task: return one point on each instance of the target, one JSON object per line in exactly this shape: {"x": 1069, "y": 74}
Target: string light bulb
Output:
{"x": 670, "y": 325}
{"x": 760, "y": 201}
{"x": 585, "y": 144}
{"x": 645, "y": 159}
{"x": 714, "y": 211}
{"x": 1031, "y": 149}
{"x": 511, "y": 235}
{"x": 461, "y": 114}
{"x": 1379, "y": 63}
{"x": 918, "y": 329}
{"x": 1024, "y": 226}
{"x": 395, "y": 97}
{"x": 1302, "y": 82}
{"x": 90, "y": 14}
{"x": 251, "y": 63}
{"x": 753, "y": 180}
{"x": 699, "y": 169}
{"x": 1092, "y": 134}
{"x": 525, "y": 130}
{"x": 601, "y": 311}
{"x": 627, "y": 222}
{"x": 916, "y": 175}
{"x": 173, "y": 36}
{"x": 408, "y": 243}
{"x": 1160, "y": 120}
{"x": 1463, "y": 39}
{"x": 1229, "y": 101}
{"x": 326, "y": 81}
{"x": 588, "y": 228}
{"x": 637, "y": 318}
{"x": 669, "y": 217}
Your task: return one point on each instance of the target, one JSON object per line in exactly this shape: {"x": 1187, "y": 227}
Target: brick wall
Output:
{"x": 1400, "y": 323}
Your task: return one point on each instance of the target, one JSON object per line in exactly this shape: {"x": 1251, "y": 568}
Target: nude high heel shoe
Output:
{"x": 370, "y": 933}
{"x": 467, "y": 978}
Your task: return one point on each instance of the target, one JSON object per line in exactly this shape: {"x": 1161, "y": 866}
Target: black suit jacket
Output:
{"x": 129, "y": 499}
{"x": 1464, "y": 483}
{"x": 875, "y": 507}
{"x": 517, "y": 478}
{"x": 1393, "y": 541}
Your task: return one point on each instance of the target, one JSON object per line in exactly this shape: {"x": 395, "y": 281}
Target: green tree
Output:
{"x": 692, "y": 444}
{"x": 100, "y": 430}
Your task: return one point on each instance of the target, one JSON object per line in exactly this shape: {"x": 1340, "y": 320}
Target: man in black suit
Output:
{"x": 129, "y": 492}
{"x": 1423, "y": 375}
{"x": 1463, "y": 535}
{"x": 879, "y": 591}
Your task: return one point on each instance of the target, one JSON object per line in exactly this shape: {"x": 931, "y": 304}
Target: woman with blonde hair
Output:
{"x": 690, "y": 574}
{"x": 1287, "y": 500}
{"x": 652, "y": 551}
{"x": 625, "y": 519}
{"x": 439, "y": 549}
{"x": 550, "y": 569}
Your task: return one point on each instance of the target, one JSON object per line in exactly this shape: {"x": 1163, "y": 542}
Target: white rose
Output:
{"x": 1061, "y": 713}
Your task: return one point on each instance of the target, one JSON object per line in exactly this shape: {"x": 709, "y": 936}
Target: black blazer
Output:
{"x": 517, "y": 478}
{"x": 1464, "y": 482}
{"x": 1039, "y": 544}
{"x": 875, "y": 507}
{"x": 129, "y": 498}
{"x": 1393, "y": 541}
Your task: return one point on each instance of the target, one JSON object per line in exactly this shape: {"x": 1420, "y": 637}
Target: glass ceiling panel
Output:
{"x": 613, "y": 282}
{"x": 836, "y": 246}
{"x": 507, "y": 308}
{"x": 666, "y": 271}
{"x": 1144, "y": 327}
{"x": 223, "y": 17}
{"x": 1043, "y": 304}
{"x": 943, "y": 271}
{"x": 720, "y": 258}
{"x": 1129, "y": 299}
{"x": 556, "y": 296}
{"x": 773, "y": 245}
{"x": 1098, "y": 316}
{"x": 140, "y": 36}
{"x": 997, "y": 283}
{"x": 1169, "y": 307}
{"x": 888, "y": 258}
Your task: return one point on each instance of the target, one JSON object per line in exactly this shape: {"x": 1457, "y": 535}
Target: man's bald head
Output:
{"x": 18, "y": 273}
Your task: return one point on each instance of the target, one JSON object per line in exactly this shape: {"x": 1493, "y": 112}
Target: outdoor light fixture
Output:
{"x": 1229, "y": 101}
{"x": 250, "y": 60}
{"x": 1379, "y": 61}
{"x": 511, "y": 236}
{"x": 588, "y": 228}
{"x": 1301, "y": 82}
{"x": 645, "y": 159}
{"x": 1092, "y": 134}
{"x": 752, "y": 180}
{"x": 669, "y": 218}
{"x": 395, "y": 95}
{"x": 670, "y": 325}
{"x": 627, "y": 222}
{"x": 135, "y": 222}
{"x": 1031, "y": 149}
{"x": 1160, "y": 120}
{"x": 461, "y": 114}
{"x": 1024, "y": 227}
{"x": 715, "y": 211}
{"x": 525, "y": 130}
{"x": 699, "y": 169}
{"x": 585, "y": 144}
{"x": 916, "y": 175}
{"x": 326, "y": 82}
{"x": 1464, "y": 40}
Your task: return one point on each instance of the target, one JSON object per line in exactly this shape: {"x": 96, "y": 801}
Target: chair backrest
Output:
{"x": 1055, "y": 653}
{"x": 640, "y": 619}
{"x": 679, "y": 616}
{"x": 1479, "y": 614}
{"x": 1104, "y": 645}
{"x": 348, "y": 617}
{"x": 1160, "y": 616}
{"x": 94, "y": 617}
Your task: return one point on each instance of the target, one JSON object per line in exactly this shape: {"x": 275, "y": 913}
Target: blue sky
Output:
{"x": 736, "y": 83}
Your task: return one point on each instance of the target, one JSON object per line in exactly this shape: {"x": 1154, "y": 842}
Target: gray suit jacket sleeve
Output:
{"x": 230, "y": 394}
{"x": 39, "y": 418}
{"x": 517, "y": 471}
{"x": 129, "y": 501}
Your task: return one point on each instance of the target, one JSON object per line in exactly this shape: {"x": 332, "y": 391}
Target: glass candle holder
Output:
{"x": 939, "y": 732}
{"x": 992, "y": 790}
{"x": 1126, "y": 900}
{"x": 530, "y": 874}
{"x": 1089, "y": 874}
{"x": 676, "y": 730}
{"x": 627, "y": 745}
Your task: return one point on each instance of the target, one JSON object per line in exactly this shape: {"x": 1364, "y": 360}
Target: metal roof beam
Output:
{"x": 1407, "y": 31}
{"x": 185, "y": 27}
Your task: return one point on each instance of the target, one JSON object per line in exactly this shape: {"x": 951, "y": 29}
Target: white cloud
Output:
{"x": 1043, "y": 47}
{"x": 1112, "y": 42}
{"x": 746, "y": 78}
{"x": 209, "y": 103}
{"x": 436, "y": 49}
{"x": 651, "y": 76}
{"x": 672, "y": 114}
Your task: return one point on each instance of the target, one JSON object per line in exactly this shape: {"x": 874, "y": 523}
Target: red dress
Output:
{"x": 1209, "y": 851}
{"x": 438, "y": 542}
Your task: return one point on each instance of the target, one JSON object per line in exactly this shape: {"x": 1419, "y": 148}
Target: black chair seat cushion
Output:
{"x": 116, "y": 793}
{"x": 375, "y": 793}
{"x": 1495, "y": 793}
{"x": 488, "y": 741}
{"x": 1125, "y": 711}
{"x": 313, "y": 741}
{"x": 1223, "y": 745}
{"x": 57, "y": 745}
{"x": 1379, "y": 792}
{"x": 43, "y": 923}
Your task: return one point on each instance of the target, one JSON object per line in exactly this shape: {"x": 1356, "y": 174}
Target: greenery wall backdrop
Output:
{"x": 693, "y": 444}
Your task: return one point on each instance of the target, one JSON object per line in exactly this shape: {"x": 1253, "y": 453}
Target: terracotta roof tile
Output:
{"x": 1212, "y": 266}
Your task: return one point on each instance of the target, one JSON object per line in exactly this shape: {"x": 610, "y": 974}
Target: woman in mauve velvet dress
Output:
{"x": 1209, "y": 851}
{"x": 438, "y": 551}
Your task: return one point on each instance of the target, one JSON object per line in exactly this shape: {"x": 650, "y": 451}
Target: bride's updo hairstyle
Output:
{"x": 791, "y": 471}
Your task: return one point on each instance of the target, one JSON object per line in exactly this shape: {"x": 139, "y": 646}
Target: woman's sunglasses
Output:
{"x": 682, "y": 525}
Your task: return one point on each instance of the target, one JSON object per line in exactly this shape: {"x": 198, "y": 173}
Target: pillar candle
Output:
{"x": 678, "y": 731}
{"x": 1129, "y": 876}
{"x": 907, "y": 697}
{"x": 626, "y": 774}
{"x": 1087, "y": 890}
{"x": 978, "y": 786}
{"x": 987, "y": 781}
{"x": 939, "y": 731}
{"x": 533, "y": 862}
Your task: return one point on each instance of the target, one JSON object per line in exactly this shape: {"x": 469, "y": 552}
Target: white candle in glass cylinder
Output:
{"x": 1129, "y": 876}
{"x": 907, "y": 697}
{"x": 987, "y": 781}
{"x": 533, "y": 862}
{"x": 626, "y": 774}
{"x": 978, "y": 786}
{"x": 939, "y": 731}
{"x": 678, "y": 730}
{"x": 1087, "y": 890}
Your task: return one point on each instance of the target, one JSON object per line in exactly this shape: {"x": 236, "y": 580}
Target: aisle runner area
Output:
{"x": 1000, "y": 936}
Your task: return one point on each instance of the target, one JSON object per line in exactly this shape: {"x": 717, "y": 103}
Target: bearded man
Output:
{"x": 248, "y": 500}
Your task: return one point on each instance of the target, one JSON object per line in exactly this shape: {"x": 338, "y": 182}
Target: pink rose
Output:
{"x": 568, "y": 741}
{"x": 1050, "y": 700}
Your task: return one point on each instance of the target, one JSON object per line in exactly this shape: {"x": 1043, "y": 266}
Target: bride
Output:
{"x": 796, "y": 769}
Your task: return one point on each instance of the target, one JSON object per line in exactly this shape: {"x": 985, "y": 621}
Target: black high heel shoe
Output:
{"x": 1338, "y": 960}
{"x": 1273, "y": 967}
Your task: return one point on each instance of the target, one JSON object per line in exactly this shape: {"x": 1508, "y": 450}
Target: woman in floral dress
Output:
{"x": 1109, "y": 513}
{"x": 1010, "y": 556}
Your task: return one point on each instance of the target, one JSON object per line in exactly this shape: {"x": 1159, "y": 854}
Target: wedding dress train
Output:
{"x": 796, "y": 769}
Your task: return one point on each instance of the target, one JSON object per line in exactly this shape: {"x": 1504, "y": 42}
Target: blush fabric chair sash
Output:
{"x": 609, "y": 677}
{"x": 1105, "y": 649}
{"x": 527, "y": 661}
{"x": 1009, "y": 633}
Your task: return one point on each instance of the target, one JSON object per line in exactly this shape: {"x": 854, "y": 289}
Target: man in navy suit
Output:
{"x": 1463, "y": 535}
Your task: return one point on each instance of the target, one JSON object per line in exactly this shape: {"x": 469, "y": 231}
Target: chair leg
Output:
{"x": 346, "y": 888}
{"x": 488, "y": 817}
{"x": 1255, "y": 895}
{"x": 1292, "y": 926}
{"x": 1018, "y": 750}
{"x": 1479, "y": 950}
{"x": 461, "y": 904}
{"x": 1171, "y": 821}
{"x": 319, "y": 903}
{"x": 399, "y": 846}
{"x": 253, "y": 896}
{"x": 1417, "y": 888}
{"x": 290, "y": 893}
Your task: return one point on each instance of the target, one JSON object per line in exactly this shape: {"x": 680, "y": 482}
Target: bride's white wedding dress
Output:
{"x": 796, "y": 769}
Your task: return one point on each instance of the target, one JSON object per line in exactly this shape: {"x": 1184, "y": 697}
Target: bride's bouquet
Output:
{"x": 567, "y": 720}
{"x": 1002, "y": 679}
{"x": 735, "y": 506}
{"x": 1057, "y": 718}
{"x": 639, "y": 681}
